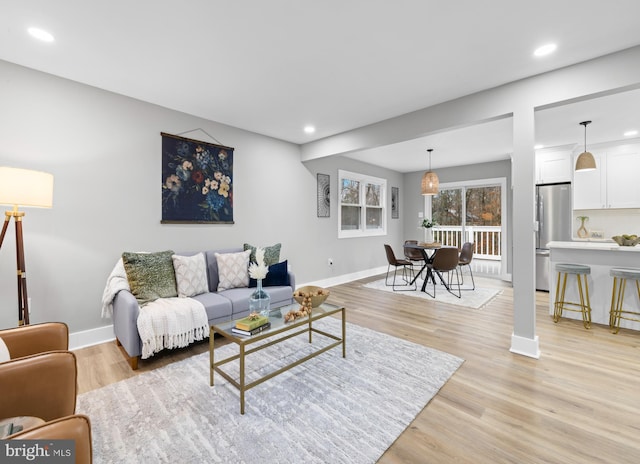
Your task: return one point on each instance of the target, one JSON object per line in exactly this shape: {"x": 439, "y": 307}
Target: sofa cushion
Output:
{"x": 233, "y": 269}
{"x": 191, "y": 274}
{"x": 271, "y": 253}
{"x": 150, "y": 275}
{"x": 217, "y": 307}
{"x": 277, "y": 276}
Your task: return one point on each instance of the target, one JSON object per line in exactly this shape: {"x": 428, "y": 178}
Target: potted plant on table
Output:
{"x": 429, "y": 224}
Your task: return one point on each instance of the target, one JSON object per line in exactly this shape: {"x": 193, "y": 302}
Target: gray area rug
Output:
{"x": 475, "y": 299}
{"x": 327, "y": 410}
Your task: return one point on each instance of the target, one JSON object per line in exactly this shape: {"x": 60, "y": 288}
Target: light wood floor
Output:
{"x": 579, "y": 403}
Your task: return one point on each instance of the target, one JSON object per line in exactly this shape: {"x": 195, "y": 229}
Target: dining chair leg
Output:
{"x": 473, "y": 282}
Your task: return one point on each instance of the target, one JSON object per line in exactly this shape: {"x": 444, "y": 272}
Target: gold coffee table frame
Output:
{"x": 278, "y": 327}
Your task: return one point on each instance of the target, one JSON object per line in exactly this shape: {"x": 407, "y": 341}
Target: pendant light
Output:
{"x": 430, "y": 180}
{"x": 585, "y": 161}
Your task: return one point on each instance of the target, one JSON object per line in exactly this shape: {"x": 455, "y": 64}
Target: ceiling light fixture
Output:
{"x": 430, "y": 181}
{"x": 545, "y": 49}
{"x": 630, "y": 133}
{"x": 40, "y": 34}
{"x": 585, "y": 161}
{"x": 309, "y": 129}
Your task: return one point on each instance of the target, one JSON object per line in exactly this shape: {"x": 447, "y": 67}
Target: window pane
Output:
{"x": 483, "y": 206}
{"x": 350, "y": 218}
{"x": 350, "y": 192}
{"x": 446, "y": 207}
{"x": 372, "y": 194}
{"x": 374, "y": 218}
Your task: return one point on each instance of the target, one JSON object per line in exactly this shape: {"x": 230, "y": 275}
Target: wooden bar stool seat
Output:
{"x": 581, "y": 272}
{"x": 620, "y": 277}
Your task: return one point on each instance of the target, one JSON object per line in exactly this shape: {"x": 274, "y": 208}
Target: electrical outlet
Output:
{"x": 330, "y": 261}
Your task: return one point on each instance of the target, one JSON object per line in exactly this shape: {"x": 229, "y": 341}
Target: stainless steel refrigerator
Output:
{"x": 553, "y": 215}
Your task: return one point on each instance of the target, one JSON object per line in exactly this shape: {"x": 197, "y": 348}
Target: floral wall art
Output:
{"x": 197, "y": 181}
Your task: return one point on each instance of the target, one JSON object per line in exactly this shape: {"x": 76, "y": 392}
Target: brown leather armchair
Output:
{"x": 76, "y": 427}
{"x": 42, "y": 385}
{"x": 37, "y": 338}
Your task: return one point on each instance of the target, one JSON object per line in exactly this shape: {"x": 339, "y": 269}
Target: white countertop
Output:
{"x": 593, "y": 245}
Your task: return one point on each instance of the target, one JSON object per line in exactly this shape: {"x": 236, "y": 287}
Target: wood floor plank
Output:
{"x": 578, "y": 403}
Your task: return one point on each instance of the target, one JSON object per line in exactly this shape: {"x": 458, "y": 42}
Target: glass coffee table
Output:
{"x": 278, "y": 332}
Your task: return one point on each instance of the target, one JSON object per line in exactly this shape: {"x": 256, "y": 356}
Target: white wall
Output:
{"x": 104, "y": 151}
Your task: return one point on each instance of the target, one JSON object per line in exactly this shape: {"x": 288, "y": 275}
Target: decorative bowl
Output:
{"x": 626, "y": 240}
{"x": 316, "y": 299}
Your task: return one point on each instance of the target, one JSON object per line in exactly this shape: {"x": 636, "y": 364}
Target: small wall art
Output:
{"x": 324, "y": 195}
{"x": 395, "y": 205}
{"x": 197, "y": 181}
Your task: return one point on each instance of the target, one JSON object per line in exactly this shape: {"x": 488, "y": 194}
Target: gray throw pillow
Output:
{"x": 271, "y": 253}
{"x": 150, "y": 275}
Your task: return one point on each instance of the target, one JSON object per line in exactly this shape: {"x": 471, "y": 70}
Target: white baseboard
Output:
{"x": 525, "y": 346}
{"x": 91, "y": 337}
{"x": 343, "y": 279}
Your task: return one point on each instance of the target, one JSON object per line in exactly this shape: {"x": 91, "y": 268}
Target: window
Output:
{"x": 362, "y": 205}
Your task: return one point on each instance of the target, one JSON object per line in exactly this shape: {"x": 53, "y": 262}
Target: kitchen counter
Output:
{"x": 593, "y": 245}
{"x": 601, "y": 257}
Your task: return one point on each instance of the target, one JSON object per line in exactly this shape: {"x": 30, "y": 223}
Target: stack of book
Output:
{"x": 251, "y": 325}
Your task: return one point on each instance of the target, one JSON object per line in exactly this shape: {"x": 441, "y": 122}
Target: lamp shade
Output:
{"x": 585, "y": 162}
{"x": 24, "y": 187}
{"x": 430, "y": 183}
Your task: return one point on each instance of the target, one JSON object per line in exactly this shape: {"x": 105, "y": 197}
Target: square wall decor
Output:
{"x": 197, "y": 181}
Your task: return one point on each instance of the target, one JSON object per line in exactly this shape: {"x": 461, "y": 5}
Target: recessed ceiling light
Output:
{"x": 631, "y": 133}
{"x": 40, "y": 34}
{"x": 309, "y": 129}
{"x": 538, "y": 147}
{"x": 545, "y": 49}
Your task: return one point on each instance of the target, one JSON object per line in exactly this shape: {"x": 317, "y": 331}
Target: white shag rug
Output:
{"x": 475, "y": 299}
{"x": 328, "y": 409}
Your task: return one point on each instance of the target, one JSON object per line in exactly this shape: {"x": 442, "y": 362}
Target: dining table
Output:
{"x": 429, "y": 251}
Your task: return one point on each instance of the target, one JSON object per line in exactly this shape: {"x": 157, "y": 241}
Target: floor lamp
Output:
{"x": 23, "y": 187}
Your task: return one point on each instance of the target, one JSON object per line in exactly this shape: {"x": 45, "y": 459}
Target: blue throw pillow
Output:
{"x": 277, "y": 276}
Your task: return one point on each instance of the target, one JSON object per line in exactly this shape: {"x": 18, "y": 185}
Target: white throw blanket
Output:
{"x": 163, "y": 323}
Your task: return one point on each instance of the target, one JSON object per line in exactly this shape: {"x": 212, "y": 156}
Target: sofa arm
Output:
{"x": 292, "y": 281}
{"x": 76, "y": 427}
{"x": 43, "y": 385}
{"x": 38, "y": 338}
{"x": 125, "y": 322}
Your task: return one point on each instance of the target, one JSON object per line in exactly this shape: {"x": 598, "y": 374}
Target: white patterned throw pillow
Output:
{"x": 191, "y": 275}
{"x": 4, "y": 351}
{"x": 233, "y": 269}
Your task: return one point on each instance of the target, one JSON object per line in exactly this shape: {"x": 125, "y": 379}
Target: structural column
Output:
{"x": 524, "y": 339}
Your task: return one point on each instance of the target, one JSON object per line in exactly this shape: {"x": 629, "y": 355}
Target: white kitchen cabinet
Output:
{"x": 623, "y": 184}
{"x": 553, "y": 167}
{"x": 614, "y": 183}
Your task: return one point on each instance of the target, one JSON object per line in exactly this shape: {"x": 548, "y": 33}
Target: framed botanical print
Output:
{"x": 324, "y": 195}
{"x": 197, "y": 181}
{"x": 395, "y": 199}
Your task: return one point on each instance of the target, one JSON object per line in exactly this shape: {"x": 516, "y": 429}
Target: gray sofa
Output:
{"x": 220, "y": 306}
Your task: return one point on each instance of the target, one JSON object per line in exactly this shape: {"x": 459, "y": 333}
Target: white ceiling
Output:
{"x": 274, "y": 66}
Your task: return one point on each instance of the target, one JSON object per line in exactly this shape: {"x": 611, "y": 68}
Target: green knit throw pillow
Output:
{"x": 150, "y": 275}
{"x": 271, "y": 253}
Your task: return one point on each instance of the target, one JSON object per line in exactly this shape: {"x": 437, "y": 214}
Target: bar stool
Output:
{"x": 620, "y": 277}
{"x": 581, "y": 272}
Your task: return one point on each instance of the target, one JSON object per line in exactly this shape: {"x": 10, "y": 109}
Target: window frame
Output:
{"x": 363, "y": 179}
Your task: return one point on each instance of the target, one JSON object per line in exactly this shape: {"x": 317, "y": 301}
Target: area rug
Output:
{"x": 475, "y": 299}
{"x": 328, "y": 409}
